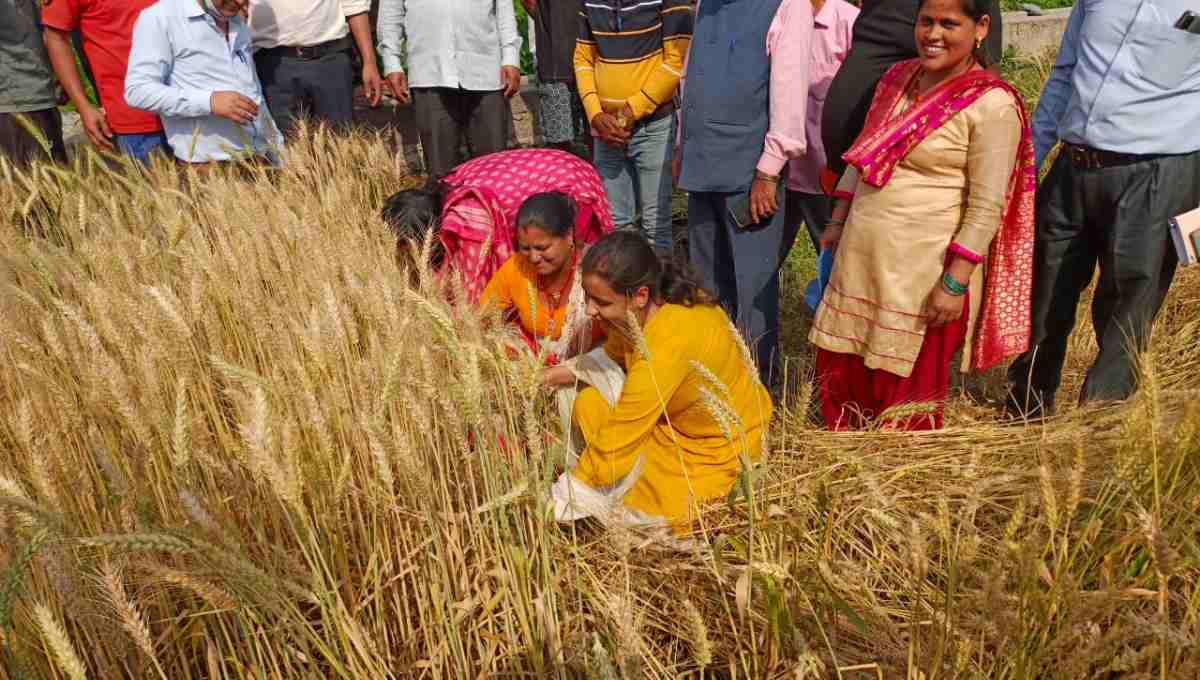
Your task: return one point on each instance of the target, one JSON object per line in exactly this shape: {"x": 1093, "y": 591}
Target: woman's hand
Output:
{"x": 831, "y": 236}
{"x": 941, "y": 307}
{"x": 558, "y": 376}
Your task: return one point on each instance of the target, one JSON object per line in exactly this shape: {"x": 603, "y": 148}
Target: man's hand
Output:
{"x": 676, "y": 166}
{"x": 372, "y": 84}
{"x": 233, "y": 106}
{"x": 609, "y": 129}
{"x": 764, "y": 200}
{"x": 95, "y": 123}
{"x": 398, "y": 83}
{"x": 510, "y": 76}
{"x": 941, "y": 307}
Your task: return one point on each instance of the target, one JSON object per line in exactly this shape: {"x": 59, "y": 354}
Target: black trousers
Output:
{"x": 321, "y": 88}
{"x": 21, "y": 147}
{"x": 814, "y": 210}
{"x": 1116, "y": 218}
{"x": 445, "y": 115}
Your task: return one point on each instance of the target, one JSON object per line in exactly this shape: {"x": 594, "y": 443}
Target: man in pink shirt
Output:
{"x": 833, "y": 26}
{"x": 742, "y": 119}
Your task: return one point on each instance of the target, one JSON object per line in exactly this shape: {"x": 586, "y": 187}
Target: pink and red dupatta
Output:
{"x": 1004, "y": 324}
{"x": 478, "y": 227}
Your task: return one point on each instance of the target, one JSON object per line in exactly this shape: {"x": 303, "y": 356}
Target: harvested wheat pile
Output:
{"x": 238, "y": 439}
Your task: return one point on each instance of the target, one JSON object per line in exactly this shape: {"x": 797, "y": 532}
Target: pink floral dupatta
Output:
{"x": 478, "y": 227}
{"x": 1004, "y": 323}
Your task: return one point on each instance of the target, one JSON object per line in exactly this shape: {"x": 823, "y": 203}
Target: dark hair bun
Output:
{"x": 627, "y": 262}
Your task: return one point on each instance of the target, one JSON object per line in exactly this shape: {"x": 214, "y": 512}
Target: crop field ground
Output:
{"x": 240, "y": 439}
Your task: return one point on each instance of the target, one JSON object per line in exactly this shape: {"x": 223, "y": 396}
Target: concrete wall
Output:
{"x": 1035, "y": 35}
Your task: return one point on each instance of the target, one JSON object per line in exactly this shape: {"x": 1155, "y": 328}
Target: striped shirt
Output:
{"x": 631, "y": 52}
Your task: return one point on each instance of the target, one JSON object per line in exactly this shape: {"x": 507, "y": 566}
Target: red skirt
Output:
{"x": 854, "y": 396}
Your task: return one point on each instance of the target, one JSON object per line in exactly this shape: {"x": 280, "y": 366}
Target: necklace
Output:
{"x": 553, "y": 298}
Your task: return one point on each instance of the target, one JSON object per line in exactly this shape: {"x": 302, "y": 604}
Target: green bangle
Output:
{"x": 952, "y": 285}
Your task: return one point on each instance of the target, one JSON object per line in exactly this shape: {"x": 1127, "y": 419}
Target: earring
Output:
{"x": 978, "y": 44}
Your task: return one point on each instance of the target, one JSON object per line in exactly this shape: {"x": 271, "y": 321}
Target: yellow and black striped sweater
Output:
{"x": 631, "y": 52}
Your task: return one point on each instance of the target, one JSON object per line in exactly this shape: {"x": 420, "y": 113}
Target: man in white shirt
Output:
{"x": 463, "y": 58}
{"x": 302, "y": 49}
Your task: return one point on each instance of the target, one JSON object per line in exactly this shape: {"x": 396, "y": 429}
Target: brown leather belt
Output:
{"x": 311, "y": 52}
{"x": 1087, "y": 158}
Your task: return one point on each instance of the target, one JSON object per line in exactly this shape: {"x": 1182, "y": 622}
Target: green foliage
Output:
{"x": 1015, "y": 5}
{"x": 523, "y": 29}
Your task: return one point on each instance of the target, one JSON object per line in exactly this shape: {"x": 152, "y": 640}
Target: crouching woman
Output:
{"x": 539, "y": 288}
{"x": 690, "y": 409}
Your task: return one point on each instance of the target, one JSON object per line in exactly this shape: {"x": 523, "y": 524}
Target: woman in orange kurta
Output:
{"x": 539, "y": 287}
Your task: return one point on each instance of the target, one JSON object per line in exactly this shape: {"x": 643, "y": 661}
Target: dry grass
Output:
{"x": 236, "y": 442}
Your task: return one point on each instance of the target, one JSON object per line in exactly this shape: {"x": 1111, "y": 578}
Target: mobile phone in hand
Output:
{"x": 739, "y": 211}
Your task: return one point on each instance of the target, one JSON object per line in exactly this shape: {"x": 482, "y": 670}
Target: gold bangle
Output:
{"x": 759, "y": 174}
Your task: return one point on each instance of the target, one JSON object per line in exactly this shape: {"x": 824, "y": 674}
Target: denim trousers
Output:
{"x": 637, "y": 179}
{"x": 139, "y": 146}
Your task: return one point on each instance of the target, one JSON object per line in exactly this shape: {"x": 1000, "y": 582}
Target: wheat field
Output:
{"x": 240, "y": 439}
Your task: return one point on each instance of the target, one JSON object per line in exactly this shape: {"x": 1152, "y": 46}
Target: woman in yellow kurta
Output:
{"x": 539, "y": 287}
{"x": 691, "y": 405}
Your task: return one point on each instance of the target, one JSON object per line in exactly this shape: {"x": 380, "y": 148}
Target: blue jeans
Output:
{"x": 637, "y": 179}
{"x": 139, "y": 146}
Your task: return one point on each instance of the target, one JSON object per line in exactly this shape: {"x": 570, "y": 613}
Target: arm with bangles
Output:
{"x": 944, "y": 304}
{"x": 995, "y": 136}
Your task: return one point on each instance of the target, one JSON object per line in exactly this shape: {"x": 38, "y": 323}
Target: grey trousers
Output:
{"x": 21, "y": 148}
{"x": 1116, "y": 218}
{"x": 741, "y": 267}
{"x": 445, "y": 115}
{"x": 321, "y": 88}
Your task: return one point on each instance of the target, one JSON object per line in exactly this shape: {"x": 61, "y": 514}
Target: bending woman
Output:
{"x": 539, "y": 288}
{"x": 478, "y": 204}
{"x": 691, "y": 407}
{"x": 939, "y": 189}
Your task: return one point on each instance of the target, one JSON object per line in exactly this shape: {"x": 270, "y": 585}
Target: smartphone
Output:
{"x": 1189, "y": 21}
{"x": 739, "y": 212}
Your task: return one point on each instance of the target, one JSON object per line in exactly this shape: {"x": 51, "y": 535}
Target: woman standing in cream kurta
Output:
{"x": 943, "y": 166}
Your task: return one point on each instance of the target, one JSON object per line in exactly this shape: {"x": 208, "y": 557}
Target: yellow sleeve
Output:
{"x": 585, "y": 68}
{"x": 663, "y": 82}
{"x": 616, "y": 443}
{"x": 498, "y": 293}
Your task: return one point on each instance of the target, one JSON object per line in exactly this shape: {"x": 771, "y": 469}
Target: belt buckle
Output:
{"x": 306, "y": 52}
{"x": 1089, "y": 159}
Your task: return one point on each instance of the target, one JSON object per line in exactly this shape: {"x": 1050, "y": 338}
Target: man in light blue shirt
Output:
{"x": 463, "y": 65}
{"x": 191, "y": 64}
{"x": 1124, "y": 100}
